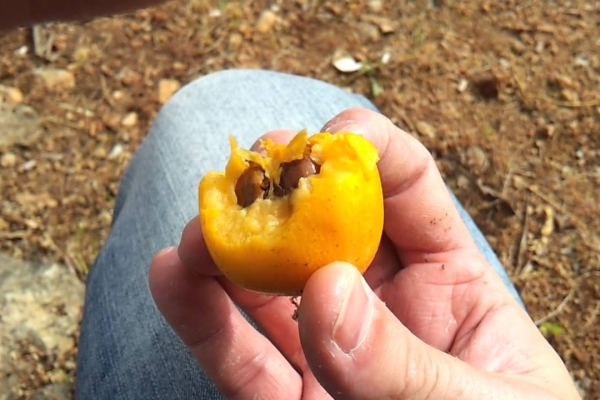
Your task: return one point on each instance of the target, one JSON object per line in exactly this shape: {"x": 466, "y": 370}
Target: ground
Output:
{"x": 504, "y": 94}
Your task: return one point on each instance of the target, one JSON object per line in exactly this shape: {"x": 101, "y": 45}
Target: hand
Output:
{"x": 430, "y": 320}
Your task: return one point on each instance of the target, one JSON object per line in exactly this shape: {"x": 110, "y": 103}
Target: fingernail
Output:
{"x": 354, "y": 317}
{"x": 343, "y": 126}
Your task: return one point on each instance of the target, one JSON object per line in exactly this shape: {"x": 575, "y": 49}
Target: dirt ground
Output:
{"x": 504, "y": 94}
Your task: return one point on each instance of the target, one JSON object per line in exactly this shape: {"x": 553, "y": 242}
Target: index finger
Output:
{"x": 420, "y": 216}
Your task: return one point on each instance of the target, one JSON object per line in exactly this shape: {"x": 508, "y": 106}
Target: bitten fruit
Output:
{"x": 271, "y": 219}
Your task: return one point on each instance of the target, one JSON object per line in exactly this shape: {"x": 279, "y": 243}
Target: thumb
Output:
{"x": 358, "y": 349}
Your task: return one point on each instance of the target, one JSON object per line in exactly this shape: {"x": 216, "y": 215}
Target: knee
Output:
{"x": 222, "y": 86}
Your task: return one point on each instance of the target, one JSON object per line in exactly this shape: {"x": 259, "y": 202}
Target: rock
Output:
{"x": 235, "y": 41}
{"x": 8, "y": 160}
{"x": 166, "y": 89}
{"x": 19, "y": 124}
{"x": 266, "y": 21}
{"x": 41, "y": 306}
{"x": 384, "y": 24}
{"x": 344, "y": 62}
{"x": 130, "y": 120}
{"x": 462, "y": 85}
{"x": 425, "y": 129}
{"x": 56, "y": 79}
{"x": 116, "y": 151}
{"x": 368, "y": 31}
{"x": 10, "y": 94}
{"x": 375, "y": 6}
{"x": 29, "y": 165}
{"x": 81, "y": 54}
{"x": 463, "y": 182}
{"x": 476, "y": 158}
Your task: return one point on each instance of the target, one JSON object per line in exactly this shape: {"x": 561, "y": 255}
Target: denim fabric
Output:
{"x": 126, "y": 349}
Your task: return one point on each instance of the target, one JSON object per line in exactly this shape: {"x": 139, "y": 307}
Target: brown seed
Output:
{"x": 293, "y": 171}
{"x": 252, "y": 184}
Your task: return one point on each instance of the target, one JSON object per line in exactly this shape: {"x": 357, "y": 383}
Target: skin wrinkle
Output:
{"x": 201, "y": 342}
{"x": 495, "y": 349}
{"x": 233, "y": 391}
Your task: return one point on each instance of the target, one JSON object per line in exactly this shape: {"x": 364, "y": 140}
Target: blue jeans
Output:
{"x": 126, "y": 349}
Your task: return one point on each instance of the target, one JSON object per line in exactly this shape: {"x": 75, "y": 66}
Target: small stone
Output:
{"x": 368, "y": 30}
{"x": 462, "y": 85}
{"x": 235, "y": 41}
{"x": 179, "y": 66}
{"x": 129, "y": 77}
{"x": 19, "y": 124}
{"x": 56, "y": 79}
{"x": 116, "y": 151}
{"x": 30, "y": 294}
{"x": 476, "y": 158}
{"x": 519, "y": 182}
{"x": 548, "y": 227}
{"x": 425, "y": 129}
{"x": 570, "y": 95}
{"x": 345, "y": 63}
{"x": 10, "y": 95}
{"x": 118, "y": 95}
{"x": 518, "y": 47}
{"x": 266, "y": 21}
{"x": 375, "y": 6}
{"x": 130, "y": 120}
{"x": 29, "y": 165}
{"x": 581, "y": 61}
{"x": 463, "y": 182}
{"x": 385, "y": 25}
{"x": 8, "y": 160}
{"x": 166, "y": 89}
{"x": 81, "y": 54}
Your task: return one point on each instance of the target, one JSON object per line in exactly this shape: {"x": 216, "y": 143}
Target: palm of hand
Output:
{"x": 446, "y": 326}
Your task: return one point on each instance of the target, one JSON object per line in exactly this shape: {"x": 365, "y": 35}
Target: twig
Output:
{"x": 592, "y": 317}
{"x": 522, "y": 246}
{"x": 507, "y": 180}
{"x": 70, "y": 260}
{"x": 591, "y": 243}
{"x": 558, "y": 309}
{"x": 13, "y": 235}
{"x": 575, "y": 284}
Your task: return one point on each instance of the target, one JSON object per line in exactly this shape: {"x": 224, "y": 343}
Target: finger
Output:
{"x": 420, "y": 216}
{"x": 384, "y": 267}
{"x": 279, "y": 136}
{"x": 193, "y": 252}
{"x": 385, "y": 264}
{"x": 358, "y": 349}
{"x": 239, "y": 360}
{"x": 192, "y": 248}
{"x": 272, "y": 313}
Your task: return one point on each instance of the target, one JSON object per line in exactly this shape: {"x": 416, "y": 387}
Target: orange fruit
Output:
{"x": 271, "y": 219}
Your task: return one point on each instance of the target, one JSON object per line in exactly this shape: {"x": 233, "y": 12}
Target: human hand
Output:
{"x": 430, "y": 320}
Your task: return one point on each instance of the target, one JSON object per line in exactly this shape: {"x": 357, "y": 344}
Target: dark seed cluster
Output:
{"x": 254, "y": 183}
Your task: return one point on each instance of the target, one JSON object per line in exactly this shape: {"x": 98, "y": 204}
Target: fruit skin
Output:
{"x": 274, "y": 245}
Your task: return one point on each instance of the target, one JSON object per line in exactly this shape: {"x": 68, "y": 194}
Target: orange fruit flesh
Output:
{"x": 274, "y": 245}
